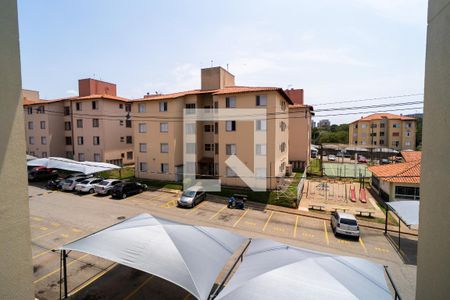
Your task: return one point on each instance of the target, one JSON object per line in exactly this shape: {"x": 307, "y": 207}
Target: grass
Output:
{"x": 162, "y": 184}
{"x": 314, "y": 167}
{"x": 124, "y": 173}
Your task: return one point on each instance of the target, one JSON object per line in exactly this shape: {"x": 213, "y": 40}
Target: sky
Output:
{"x": 336, "y": 51}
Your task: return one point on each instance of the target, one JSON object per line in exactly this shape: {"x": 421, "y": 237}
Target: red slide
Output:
{"x": 352, "y": 194}
{"x": 362, "y": 195}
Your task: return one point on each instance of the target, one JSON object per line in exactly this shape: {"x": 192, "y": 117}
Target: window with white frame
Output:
{"x": 30, "y": 110}
{"x": 141, "y": 107}
{"x": 79, "y": 123}
{"x": 43, "y": 140}
{"x": 30, "y": 125}
{"x": 142, "y": 147}
{"x": 396, "y": 125}
{"x": 81, "y": 157}
{"x": 163, "y": 127}
{"x": 363, "y": 126}
{"x": 164, "y": 147}
{"x": 261, "y": 100}
{"x": 78, "y": 106}
{"x": 190, "y": 108}
{"x": 261, "y": 125}
{"x": 97, "y": 157}
{"x": 407, "y": 143}
{"x": 261, "y": 149}
{"x": 42, "y": 124}
{"x": 143, "y": 167}
{"x": 230, "y": 125}
{"x": 80, "y": 140}
{"x": 162, "y": 106}
{"x": 95, "y": 123}
{"x": 165, "y": 168}
{"x": 96, "y": 140}
{"x": 230, "y": 149}
{"x": 408, "y": 133}
{"x": 208, "y": 147}
{"x": 230, "y": 102}
{"x": 229, "y": 172}
{"x": 142, "y": 127}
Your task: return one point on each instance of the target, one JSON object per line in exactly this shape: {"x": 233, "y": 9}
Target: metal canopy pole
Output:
{"x": 399, "y": 233}
{"x": 64, "y": 255}
{"x": 397, "y": 295}
{"x": 386, "y": 220}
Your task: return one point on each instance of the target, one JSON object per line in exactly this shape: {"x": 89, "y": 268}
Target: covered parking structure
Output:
{"x": 193, "y": 257}
{"x": 85, "y": 167}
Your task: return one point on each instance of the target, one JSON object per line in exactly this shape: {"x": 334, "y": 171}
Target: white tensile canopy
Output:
{"x": 271, "y": 270}
{"x": 407, "y": 211}
{"x": 189, "y": 256}
{"x": 31, "y": 157}
{"x": 86, "y": 167}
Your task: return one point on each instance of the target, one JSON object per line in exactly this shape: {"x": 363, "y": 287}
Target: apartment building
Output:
{"x": 90, "y": 127}
{"x": 300, "y": 135}
{"x": 159, "y": 139}
{"x": 384, "y": 130}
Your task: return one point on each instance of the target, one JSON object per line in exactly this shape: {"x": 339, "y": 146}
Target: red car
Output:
{"x": 362, "y": 159}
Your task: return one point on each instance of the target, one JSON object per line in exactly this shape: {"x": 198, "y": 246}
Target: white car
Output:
{"x": 345, "y": 224}
{"x": 87, "y": 185}
{"x": 104, "y": 187}
{"x": 331, "y": 157}
{"x": 69, "y": 183}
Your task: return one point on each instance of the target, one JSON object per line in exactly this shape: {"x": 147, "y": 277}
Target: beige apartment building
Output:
{"x": 384, "y": 130}
{"x": 90, "y": 127}
{"x": 158, "y": 131}
{"x": 300, "y": 135}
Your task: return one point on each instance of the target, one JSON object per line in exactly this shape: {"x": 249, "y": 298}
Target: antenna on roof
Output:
{"x": 211, "y": 63}
{"x": 227, "y": 67}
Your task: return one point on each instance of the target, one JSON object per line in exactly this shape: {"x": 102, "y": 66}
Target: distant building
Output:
{"x": 299, "y": 135}
{"x": 313, "y": 124}
{"x": 384, "y": 130}
{"x": 324, "y": 123}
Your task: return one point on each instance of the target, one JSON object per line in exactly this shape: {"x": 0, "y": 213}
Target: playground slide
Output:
{"x": 362, "y": 195}
{"x": 352, "y": 194}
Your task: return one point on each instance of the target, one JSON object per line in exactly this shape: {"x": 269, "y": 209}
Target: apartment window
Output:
{"x": 165, "y": 168}
{"x": 396, "y": 125}
{"x": 96, "y": 140}
{"x": 208, "y": 128}
{"x": 261, "y": 149}
{"x": 407, "y": 143}
{"x": 78, "y": 106}
{"x": 163, "y": 127}
{"x": 43, "y": 140}
{"x": 395, "y": 143}
{"x": 129, "y": 139}
{"x": 94, "y": 105}
{"x": 162, "y": 106}
{"x": 230, "y": 102}
{"x": 79, "y": 123}
{"x": 67, "y": 126}
{"x": 216, "y": 127}
{"x": 97, "y": 157}
{"x": 120, "y": 106}
{"x": 31, "y": 140}
{"x": 142, "y": 147}
{"x": 230, "y": 125}
{"x": 128, "y": 123}
{"x": 373, "y": 134}
{"x": 373, "y": 126}
{"x": 407, "y": 192}
{"x": 143, "y": 167}
{"x": 141, "y": 107}
{"x": 32, "y": 153}
{"x": 130, "y": 155}
{"x": 121, "y": 122}
{"x": 81, "y": 156}
{"x": 261, "y": 100}
{"x": 216, "y": 106}
{"x": 408, "y": 125}
{"x": 190, "y": 148}
{"x": 122, "y": 139}
{"x": 382, "y": 125}
{"x": 128, "y": 107}
{"x": 80, "y": 140}
{"x": 408, "y": 133}
{"x": 283, "y": 147}
{"x": 122, "y": 155}
{"x": 229, "y": 172}
{"x": 396, "y": 134}
{"x": 381, "y": 142}
{"x": 40, "y": 110}
{"x": 216, "y": 148}
{"x": 68, "y": 140}
{"x": 30, "y": 110}
{"x": 261, "y": 125}
{"x": 230, "y": 149}
{"x": 190, "y": 107}
{"x": 95, "y": 123}
{"x": 164, "y": 148}
{"x": 283, "y": 126}
{"x": 142, "y": 127}
{"x": 208, "y": 147}
{"x": 44, "y": 154}
{"x": 363, "y": 126}
{"x": 207, "y": 108}
{"x": 382, "y": 133}
{"x": 356, "y": 126}
{"x": 30, "y": 125}
{"x": 69, "y": 154}
{"x": 66, "y": 110}
{"x": 190, "y": 128}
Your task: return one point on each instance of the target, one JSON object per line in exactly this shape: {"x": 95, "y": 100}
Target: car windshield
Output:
{"x": 348, "y": 222}
{"x": 69, "y": 181}
{"x": 85, "y": 182}
{"x": 189, "y": 194}
{"x": 104, "y": 182}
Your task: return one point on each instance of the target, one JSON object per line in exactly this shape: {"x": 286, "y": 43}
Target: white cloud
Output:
{"x": 408, "y": 11}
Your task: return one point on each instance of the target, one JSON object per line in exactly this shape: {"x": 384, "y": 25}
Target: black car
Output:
{"x": 38, "y": 174}
{"x": 125, "y": 189}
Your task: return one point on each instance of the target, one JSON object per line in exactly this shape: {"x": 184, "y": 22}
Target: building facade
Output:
{"x": 300, "y": 135}
{"x": 384, "y": 130}
{"x": 159, "y": 133}
{"x": 91, "y": 127}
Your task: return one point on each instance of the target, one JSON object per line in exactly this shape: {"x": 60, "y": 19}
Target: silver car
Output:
{"x": 87, "y": 185}
{"x": 70, "y": 183}
{"x": 192, "y": 196}
{"x": 104, "y": 187}
{"x": 344, "y": 224}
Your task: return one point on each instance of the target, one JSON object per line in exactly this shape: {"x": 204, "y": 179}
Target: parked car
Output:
{"x": 87, "y": 185}
{"x": 69, "y": 183}
{"x": 384, "y": 161}
{"x": 331, "y": 157}
{"x": 313, "y": 153}
{"x": 340, "y": 154}
{"x": 362, "y": 159}
{"x": 125, "y": 189}
{"x": 344, "y": 224}
{"x": 192, "y": 196}
{"x": 104, "y": 187}
{"x": 42, "y": 173}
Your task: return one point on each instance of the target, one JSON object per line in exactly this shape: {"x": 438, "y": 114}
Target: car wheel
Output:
{"x": 124, "y": 196}
{"x": 91, "y": 191}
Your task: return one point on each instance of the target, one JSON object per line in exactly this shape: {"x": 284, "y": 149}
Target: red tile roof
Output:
{"x": 411, "y": 155}
{"x": 407, "y": 172}
{"x": 379, "y": 116}
{"x": 27, "y": 101}
{"x": 296, "y": 95}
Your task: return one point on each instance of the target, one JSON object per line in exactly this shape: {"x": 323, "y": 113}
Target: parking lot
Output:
{"x": 59, "y": 217}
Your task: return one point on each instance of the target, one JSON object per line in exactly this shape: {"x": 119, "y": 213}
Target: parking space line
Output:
{"x": 55, "y": 224}
{"x": 43, "y": 235}
{"x": 89, "y": 281}
{"x": 37, "y": 219}
{"x": 43, "y": 228}
{"x": 57, "y": 270}
{"x": 240, "y": 218}
{"x": 362, "y": 244}
{"x": 42, "y": 253}
{"x": 195, "y": 208}
{"x": 267, "y": 222}
{"x": 138, "y": 288}
{"x": 220, "y": 210}
{"x": 326, "y": 232}
{"x": 169, "y": 204}
{"x": 295, "y": 227}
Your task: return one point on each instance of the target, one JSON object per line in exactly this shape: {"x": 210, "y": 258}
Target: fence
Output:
{"x": 300, "y": 187}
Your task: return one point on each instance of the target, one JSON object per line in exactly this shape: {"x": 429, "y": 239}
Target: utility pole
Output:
{"x": 321, "y": 160}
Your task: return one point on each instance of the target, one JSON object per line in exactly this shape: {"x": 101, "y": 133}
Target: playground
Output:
{"x": 330, "y": 195}
{"x": 346, "y": 170}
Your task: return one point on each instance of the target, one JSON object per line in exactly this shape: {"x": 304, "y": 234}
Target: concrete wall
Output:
{"x": 90, "y": 86}
{"x": 15, "y": 251}
{"x": 433, "y": 271}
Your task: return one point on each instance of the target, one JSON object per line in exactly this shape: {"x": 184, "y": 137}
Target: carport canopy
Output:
{"x": 189, "y": 256}
{"x": 407, "y": 211}
{"x": 86, "y": 167}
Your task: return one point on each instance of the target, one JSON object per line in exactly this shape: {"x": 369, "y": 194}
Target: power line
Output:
{"x": 369, "y": 99}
